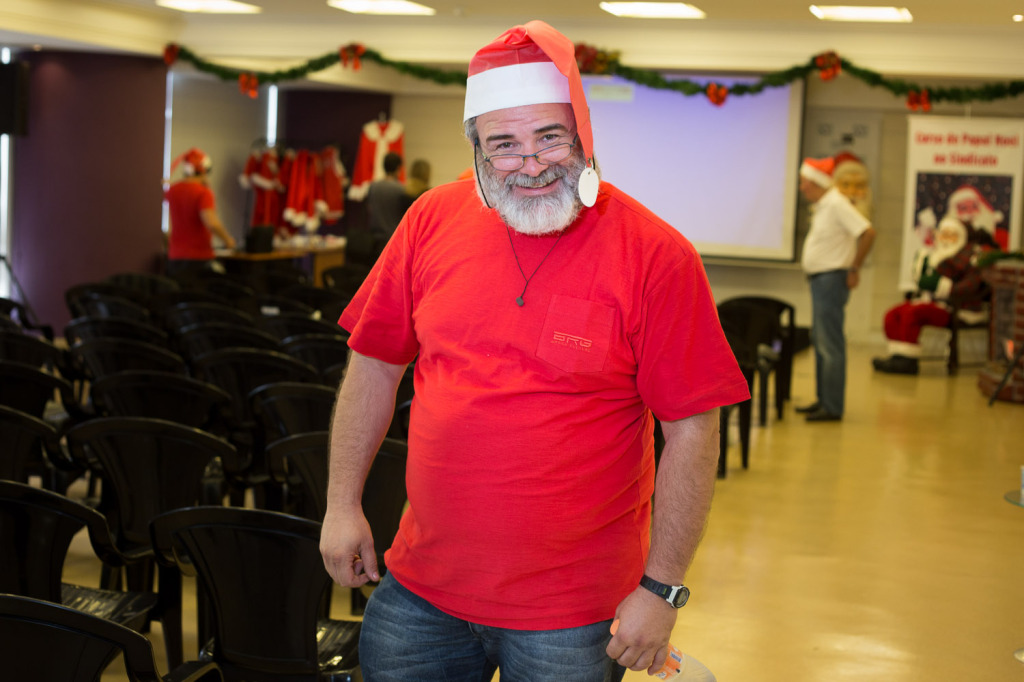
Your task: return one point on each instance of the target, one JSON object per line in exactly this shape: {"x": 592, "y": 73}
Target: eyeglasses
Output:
{"x": 547, "y": 156}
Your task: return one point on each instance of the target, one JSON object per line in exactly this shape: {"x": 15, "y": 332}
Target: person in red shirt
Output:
{"x": 193, "y": 215}
{"x": 551, "y": 318}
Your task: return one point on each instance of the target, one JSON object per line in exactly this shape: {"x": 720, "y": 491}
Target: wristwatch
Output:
{"x": 675, "y": 595}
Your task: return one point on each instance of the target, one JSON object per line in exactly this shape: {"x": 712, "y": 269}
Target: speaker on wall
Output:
{"x": 14, "y": 78}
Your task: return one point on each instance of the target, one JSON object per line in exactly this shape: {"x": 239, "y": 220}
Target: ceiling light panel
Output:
{"x": 857, "y": 13}
{"x": 390, "y": 7}
{"x": 210, "y": 6}
{"x": 653, "y": 10}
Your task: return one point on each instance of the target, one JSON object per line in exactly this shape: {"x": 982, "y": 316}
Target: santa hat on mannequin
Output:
{"x": 192, "y": 162}
{"x": 970, "y": 206}
{"x": 533, "y": 64}
{"x": 818, "y": 171}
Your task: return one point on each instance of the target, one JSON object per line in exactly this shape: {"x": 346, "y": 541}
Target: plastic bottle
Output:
{"x": 678, "y": 666}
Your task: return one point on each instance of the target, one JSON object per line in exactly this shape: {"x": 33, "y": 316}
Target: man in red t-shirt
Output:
{"x": 551, "y": 318}
{"x": 193, "y": 216}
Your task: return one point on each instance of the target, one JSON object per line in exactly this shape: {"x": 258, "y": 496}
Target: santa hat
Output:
{"x": 193, "y": 161}
{"x": 531, "y": 64}
{"x": 818, "y": 171}
{"x": 965, "y": 192}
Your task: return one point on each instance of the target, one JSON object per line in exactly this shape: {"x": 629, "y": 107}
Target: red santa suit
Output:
{"x": 332, "y": 206}
{"x": 377, "y": 139}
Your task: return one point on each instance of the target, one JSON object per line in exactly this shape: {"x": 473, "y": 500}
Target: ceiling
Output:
{"x": 947, "y": 38}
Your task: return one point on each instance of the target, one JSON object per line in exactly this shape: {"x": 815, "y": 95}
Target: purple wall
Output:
{"x": 87, "y": 178}
{"x": 312, "y": 119}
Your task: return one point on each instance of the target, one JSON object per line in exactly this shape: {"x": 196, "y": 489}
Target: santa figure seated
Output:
{"x": 948, "y": 277}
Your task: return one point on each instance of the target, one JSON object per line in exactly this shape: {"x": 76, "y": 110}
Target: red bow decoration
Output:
{"x": 717, "y": 93}
{"x": 171, "y": 53}
{"x": 919, "y": 100}
{"x": 829, "y": 65}
{"x": 249, "y": 84}
{"x": 351, "y": 52}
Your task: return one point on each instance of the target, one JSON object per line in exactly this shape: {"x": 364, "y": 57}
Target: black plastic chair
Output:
{"x": 31, "y": 447}
{"x": 273, "y": 304}
{"x": 328, "y": 302}
{"x": 322, "y": 351}
{"x": 238, "y": 371}
{"x": 90, "y": 328}
{"x": 268, "y": 626}
{"x": 106, "y": 305}
{"x": 293, "y": 324}
{"x": 37, "y": 528}
{"x": 182, "y": 315}
{"x": 101, "y": 357}
{"x": 199, "y": 339}
{"x": 225, "y": 286}
{"x": 146, "y": 284}
{"x": 37, "y": 638}
{"x": 162, "y": 395}
{"x": 302, "y": 462}
{"x": 769, "y": 324}
{"x": 735, "y": 322}
{"x": 346, "y": 279}
{"x": 79, "y": 292}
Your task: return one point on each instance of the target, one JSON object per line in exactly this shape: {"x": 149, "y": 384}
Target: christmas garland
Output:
{"x": 591, "y": 60}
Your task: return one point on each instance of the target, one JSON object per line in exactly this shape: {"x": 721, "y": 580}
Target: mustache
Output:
{"x": 549, "y": 175}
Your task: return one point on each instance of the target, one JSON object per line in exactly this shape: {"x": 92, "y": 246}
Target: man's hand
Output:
{"x": 640, "y": 641}
{"x": 346, "y": 545}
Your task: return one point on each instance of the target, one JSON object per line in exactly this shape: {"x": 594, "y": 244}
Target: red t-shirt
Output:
{"x": 531, "y": 462}
{"x": 189, "y": 238}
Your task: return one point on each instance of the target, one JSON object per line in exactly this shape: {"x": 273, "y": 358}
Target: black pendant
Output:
{"x": 519, "y": 301}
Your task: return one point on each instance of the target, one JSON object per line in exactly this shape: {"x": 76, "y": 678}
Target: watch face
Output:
{"x": 682, "y": 594}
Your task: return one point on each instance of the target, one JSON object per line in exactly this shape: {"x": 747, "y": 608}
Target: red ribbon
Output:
{"x": 829, "y": 65}
{"x": 351, "y": 53}
{"x": 249, "y": 84}
{"x": 919, "y": 99}
{"x": 717, "y": 93}
{"x": 171, "y": 53}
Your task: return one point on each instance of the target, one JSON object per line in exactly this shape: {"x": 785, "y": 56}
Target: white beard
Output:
{"x": 540, "y": 215}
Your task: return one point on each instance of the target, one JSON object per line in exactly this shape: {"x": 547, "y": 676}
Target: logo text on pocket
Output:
{"x": 572, "y": 341}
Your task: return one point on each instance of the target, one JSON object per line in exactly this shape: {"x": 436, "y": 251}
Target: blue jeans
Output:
{"x": 829, "y": 295}
{"x": 405, "y": 638}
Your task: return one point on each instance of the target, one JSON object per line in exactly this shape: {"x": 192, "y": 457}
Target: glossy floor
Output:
{"x": 876, "y": 548}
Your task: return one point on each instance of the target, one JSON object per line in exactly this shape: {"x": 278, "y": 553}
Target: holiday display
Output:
{"x": 591, "y": 60}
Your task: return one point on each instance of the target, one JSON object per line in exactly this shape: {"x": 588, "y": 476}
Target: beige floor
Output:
{"x": 878, "y": 548}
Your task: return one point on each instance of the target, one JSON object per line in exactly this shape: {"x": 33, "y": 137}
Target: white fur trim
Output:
{"x": 905, "y": 348}
{"x": 264, "y": 182}
{"x": 515, "y": 86}
{"x": 944, "y": 288}
{"x": 243, "y": 180}
{"x": 816, "y": 176}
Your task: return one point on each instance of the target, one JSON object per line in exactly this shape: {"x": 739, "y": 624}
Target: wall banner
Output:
{"x": 967, "y": 168}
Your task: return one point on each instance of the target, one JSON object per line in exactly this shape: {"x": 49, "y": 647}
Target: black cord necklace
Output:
{"x": 519, "y": 300}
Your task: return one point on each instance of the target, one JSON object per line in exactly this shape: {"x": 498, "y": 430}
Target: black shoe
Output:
{"x": 807, "y": 409}
{"x": 896, "y": 364}
{"x": 823, "y": 415}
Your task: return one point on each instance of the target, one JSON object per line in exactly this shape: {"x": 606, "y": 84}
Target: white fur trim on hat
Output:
{"x": 816, "y": 176}
{"x": 515, "y": 86}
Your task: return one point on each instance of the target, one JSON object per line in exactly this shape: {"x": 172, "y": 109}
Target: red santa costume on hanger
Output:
{"x": 377, "y": 139}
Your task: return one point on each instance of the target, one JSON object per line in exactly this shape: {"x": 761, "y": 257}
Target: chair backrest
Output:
{"x": 748, "y": 322}
{"x": 33, "y": 351}
{"x": 292, "y": 324}
{"x": 19, "y": 314}
{"x": 161, "y": 395}
{"x": 329, "y": 302}
{"x": 108, "y": 305}
{"x": 287, "y": 408}
{"x": 75, "y": 294}
{"x": 90, "y": 328}
{"x": 273, "y": 304}
{"x": 199, "y": 339}
{"x": 46, "y": 642}
{"x": 268, "y": 621}
{"x": 148, "y": 467}
{"x": 30, "y": 389}
{"x": 240, "y": 370}
{"x": 182, "y": 315}
{"x": 347, "y": 278}
{"x": 100, "y": 357}
{"x": 145, "y": 283}
{"x": 27, "y": 445}
{"x": 322, "y": 351}
{"x": 36, "y": 529}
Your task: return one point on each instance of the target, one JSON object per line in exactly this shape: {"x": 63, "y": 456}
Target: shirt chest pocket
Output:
{"x": 577, "y": 334}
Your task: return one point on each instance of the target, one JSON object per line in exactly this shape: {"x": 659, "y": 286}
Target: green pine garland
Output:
{"x": 594, "y": 61}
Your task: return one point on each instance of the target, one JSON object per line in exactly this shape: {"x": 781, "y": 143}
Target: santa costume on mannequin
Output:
{"x": 944, "y": 273}
{"x": 377, "y": 139}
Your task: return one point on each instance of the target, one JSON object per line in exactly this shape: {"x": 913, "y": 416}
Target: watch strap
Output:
{"x": 675, "y": 595}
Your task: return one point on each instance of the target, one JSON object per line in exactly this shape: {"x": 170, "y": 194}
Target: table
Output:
{"x": 1016, "y": 497}
{"x": 321, "y": 257}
